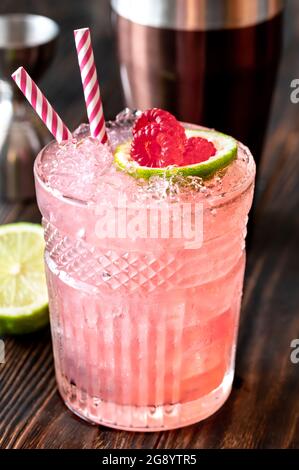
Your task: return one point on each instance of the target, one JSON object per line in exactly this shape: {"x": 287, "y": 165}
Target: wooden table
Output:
{"x": 263, "y": 409}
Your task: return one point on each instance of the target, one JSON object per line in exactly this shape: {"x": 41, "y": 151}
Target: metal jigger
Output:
{"x": 28, "y": 40}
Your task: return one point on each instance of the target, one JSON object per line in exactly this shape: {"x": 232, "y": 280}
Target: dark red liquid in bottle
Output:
{"x": 218, "y": 78}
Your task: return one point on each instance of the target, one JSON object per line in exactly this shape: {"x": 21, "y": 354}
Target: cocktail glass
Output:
{"x": 144, "y": 329}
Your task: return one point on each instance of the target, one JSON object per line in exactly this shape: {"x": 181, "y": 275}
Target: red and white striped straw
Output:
{"x": 90, "y": 84}
{"x": 41, "y": 105}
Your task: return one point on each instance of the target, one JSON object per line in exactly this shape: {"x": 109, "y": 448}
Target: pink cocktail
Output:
{"x": 144, "y": 327}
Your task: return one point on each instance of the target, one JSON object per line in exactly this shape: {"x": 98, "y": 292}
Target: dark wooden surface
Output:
{"x": 263, "y": 409}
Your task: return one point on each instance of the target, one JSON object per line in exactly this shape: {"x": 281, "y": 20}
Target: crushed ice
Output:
{"x": 120, "y": 130}
{"x": 83, "y": 167}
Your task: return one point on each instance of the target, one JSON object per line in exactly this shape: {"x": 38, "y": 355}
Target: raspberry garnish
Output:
{"x": 164, "y": 119}
{"x": 158, "y": 148}
{"x": 159, "y": 140}
{"x": 198, "y": 150}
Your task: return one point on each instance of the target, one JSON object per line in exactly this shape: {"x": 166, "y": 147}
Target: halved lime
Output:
{"x": 23, "y": 289}
{"x": 226, "y": 147}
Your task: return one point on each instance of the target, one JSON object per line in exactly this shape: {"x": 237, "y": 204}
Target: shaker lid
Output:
{"x": 197, "y": 15}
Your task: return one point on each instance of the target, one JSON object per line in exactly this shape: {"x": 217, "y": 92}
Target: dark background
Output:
{"x": 263, "y": 409}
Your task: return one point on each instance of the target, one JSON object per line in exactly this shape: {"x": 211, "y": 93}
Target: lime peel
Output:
{"x": 227, "y": 149}
{"x": 23, "y": 290}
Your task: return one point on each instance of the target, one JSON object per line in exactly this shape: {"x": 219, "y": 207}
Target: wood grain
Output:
{"x": 263, "y": 409}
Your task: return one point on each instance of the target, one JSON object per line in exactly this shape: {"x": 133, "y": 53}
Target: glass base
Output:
{"x": 144, "y": 418}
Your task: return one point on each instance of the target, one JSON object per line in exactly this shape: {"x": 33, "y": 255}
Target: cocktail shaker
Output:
{"x": 208, "y": 62}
